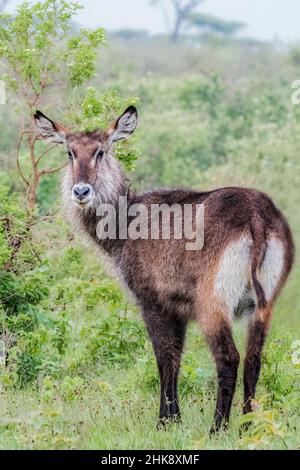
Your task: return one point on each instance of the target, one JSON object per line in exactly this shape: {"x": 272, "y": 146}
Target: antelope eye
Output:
{"x": 70, "y": 155}
{"x": 100, "y": 153}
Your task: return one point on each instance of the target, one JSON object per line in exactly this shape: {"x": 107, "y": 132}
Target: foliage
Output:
{"x": 207, "y": 23}
{"x": 98, "y": 111}
{"x": 27, "y": 46}
{"x": 22, "y": 286}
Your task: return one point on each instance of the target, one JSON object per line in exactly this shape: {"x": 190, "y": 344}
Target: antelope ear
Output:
{"x": 49, "y": 130}
{"x": 124, "y": 126}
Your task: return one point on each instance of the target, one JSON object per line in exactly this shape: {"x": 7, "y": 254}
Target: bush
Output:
{"x": 23, "y": 283}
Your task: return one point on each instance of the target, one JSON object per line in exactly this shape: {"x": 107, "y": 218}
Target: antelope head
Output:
{"x": 93, "y": 174}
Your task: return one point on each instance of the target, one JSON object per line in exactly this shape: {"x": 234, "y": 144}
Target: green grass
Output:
{"x": 116, "y": 408}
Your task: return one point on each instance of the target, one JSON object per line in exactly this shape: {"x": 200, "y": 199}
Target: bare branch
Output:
{"x": 186, "y": 6}
{"x": 45, "y": 153}
{"x": 182, "y": 9}
{"x": 18, "y": 158}
{"x": 31, "y": 141}
{"x": 52, "y": 170}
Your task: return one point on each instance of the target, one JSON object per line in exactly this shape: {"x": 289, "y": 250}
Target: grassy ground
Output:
{"x": 113, "y": 404}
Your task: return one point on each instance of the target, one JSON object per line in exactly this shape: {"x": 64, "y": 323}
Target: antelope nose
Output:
{"x": 81, "y": 191}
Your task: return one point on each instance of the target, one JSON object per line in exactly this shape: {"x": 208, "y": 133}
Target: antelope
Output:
{"x": 246, "y": 257}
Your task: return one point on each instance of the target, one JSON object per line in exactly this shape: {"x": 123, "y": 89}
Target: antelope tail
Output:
{"x": 257, "y": 257}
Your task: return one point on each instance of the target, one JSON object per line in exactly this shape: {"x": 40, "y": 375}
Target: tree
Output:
{"x": 207, "y": 23}
{"x": 182, "y": 10}
{"x": 42, "y": 61}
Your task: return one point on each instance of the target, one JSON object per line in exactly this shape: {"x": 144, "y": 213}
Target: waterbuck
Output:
{"x": 239, "y": 271}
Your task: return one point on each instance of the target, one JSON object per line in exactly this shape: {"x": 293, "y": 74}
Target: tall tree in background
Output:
{"x": 186, "y": 16}
{"x": 204, "y": 24}
{"x": 182, "y": 10}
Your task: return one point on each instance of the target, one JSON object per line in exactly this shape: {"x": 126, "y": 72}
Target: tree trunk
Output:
{"x": 31, "y": 195}
{"x": 177, "y": 26}
{"x": 182, "y": 10}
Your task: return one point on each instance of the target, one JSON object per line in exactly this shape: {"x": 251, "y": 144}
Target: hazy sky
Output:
{"x": 266, "y": 19}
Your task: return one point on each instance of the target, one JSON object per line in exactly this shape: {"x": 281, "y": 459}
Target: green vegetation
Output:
{"x": 80, "y": 371}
